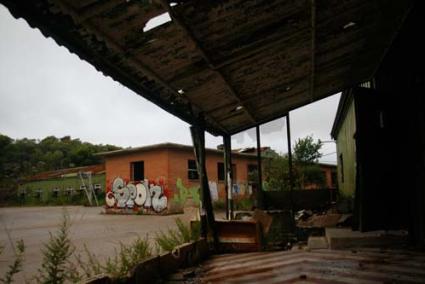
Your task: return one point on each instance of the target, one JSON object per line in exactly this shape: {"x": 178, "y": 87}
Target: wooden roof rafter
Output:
{"x": 180, "y": 22}
{"x": 85, "y": 20}
{"x": 268, "y": 56}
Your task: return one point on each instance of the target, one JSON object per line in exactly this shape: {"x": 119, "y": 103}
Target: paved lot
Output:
{"x": 101, "y": 233}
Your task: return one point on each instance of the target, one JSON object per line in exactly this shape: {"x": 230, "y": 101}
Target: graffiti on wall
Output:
{"x": 146, "y": 194}
{"x": 183, "y": 193}
{"x": 213, "y": 190}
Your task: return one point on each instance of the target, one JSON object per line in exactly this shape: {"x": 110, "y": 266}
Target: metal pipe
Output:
{"x": 260, "y": 201}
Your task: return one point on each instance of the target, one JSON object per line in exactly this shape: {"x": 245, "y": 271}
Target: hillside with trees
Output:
{"x": 21, "y": 158}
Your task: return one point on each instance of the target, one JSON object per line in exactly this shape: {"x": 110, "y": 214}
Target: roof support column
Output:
{"x": 259, "y": 193}
{"x": 198, "y": 138}
{"x": 290, "y": 166}
{"x": 228, "y": 171}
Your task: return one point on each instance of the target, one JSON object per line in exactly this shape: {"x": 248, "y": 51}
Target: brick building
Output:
{"x": 162, "y": 178}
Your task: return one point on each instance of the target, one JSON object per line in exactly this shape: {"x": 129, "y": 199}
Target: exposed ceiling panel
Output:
{"x": 236, "y": 63}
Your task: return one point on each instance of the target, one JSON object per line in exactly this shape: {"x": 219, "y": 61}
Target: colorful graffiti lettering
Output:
{"x": 146, "y": 194}
{"x": 184, "y": 193}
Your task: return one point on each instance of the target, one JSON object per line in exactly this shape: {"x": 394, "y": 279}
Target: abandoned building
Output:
{"x": 65, "y": 185}
{"x": 228, "y": 66}
{"x": 171, "y": 169}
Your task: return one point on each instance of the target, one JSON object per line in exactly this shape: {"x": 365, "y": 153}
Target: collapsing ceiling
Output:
{"x": 236, "y": 63}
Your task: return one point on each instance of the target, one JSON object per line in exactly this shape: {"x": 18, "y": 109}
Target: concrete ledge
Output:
{"x": 341, "y": 238}
{"x": 317, "y": 243}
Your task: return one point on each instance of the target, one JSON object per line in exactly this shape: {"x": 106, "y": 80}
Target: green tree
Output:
{"x": 276, "y": 171}
{"x": 25, "y": 157}
{"x": 306, "y": 150}
{"x": 305, "y": 171}
{"x": 306, "y": 157}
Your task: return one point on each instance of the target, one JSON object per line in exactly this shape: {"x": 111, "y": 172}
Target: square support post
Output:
{"x": 259, "y": 193}
{"x": 290, "y": 166}
{"x": 198, "y": 138}
{"x": 228, "y": 175}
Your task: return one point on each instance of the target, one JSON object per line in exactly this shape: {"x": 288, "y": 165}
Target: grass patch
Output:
{"x": 172, "y": 238}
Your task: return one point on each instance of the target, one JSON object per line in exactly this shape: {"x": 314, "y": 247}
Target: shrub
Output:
{"x": 219, "y": 204}
{"x": 243, "y": 204}
{"x": 16, "y": 266}
{"x": 56, "y": 266}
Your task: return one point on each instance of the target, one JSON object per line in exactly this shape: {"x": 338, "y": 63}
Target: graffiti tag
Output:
{"x": 146, "y": 194}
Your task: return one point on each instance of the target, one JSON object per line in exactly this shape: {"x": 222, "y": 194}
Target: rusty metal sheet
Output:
{"x": 319, "y": 266}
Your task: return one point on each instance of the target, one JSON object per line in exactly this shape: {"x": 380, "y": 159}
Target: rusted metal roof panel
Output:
{"x": 318, "y": 266}
{"x": 235, "y": 63}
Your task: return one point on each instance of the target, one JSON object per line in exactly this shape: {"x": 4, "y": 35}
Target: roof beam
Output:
{"x": 137, "y": 63}
{"x": 114, "y": 45}
{"x": 178, "y": 20}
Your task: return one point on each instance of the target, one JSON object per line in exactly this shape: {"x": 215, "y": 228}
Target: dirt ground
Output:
{"x": 101, "y": 233}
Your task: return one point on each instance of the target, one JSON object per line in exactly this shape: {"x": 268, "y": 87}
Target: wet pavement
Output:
{"x": 101, "y": 233}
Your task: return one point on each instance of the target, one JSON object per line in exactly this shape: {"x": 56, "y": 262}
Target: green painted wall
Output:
{"x": 27, "y": 192}
{"x": 346, "y": 148}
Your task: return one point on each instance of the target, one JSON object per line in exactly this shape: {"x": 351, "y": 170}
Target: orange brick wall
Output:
{"x": 155, "y": 165}
{"x": 171, "y": 164}
{"x": 178, "y": 168}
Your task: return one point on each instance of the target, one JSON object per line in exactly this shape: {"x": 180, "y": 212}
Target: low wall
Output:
{"x": 159, "y": 267}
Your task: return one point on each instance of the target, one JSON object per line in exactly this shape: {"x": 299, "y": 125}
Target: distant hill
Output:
{"x": 20, "y": 158}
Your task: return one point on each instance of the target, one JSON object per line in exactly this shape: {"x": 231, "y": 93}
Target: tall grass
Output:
{"x": 172, "y": 238}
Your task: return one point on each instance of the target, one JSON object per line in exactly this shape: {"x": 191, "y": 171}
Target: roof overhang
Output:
{"x": 234, "y": 64}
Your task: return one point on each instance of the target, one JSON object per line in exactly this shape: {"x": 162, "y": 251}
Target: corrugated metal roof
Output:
{"x": 318, "y": 266}
{"x": 235, "y": 63}
{"x": 94, "y": 169}
{"x": 169, "y": 145}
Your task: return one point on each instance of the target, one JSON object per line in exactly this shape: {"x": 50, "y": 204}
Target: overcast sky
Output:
{"x": 45, "y": 90}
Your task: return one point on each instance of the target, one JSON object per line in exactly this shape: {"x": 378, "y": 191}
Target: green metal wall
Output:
{"x": 346, "y": 147}
{"x": 47, "y": 188}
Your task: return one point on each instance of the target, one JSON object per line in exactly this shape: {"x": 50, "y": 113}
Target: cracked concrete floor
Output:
{"x": 101, "y": 233}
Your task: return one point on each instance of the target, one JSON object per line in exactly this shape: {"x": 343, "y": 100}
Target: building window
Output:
{"x": 220, "y": 171}
{"x": 97, "y": 188}
{"x": 137, "y": 171}
{"x": 192, "y": 171}
{"x": 341, "y": 167}
{"x": 82, "y": 187}
{"x": 69, "y": 191}
{"x": 55, "y": 192}
{"x": 252, "y": 173}
{"x": 37, "y": 193}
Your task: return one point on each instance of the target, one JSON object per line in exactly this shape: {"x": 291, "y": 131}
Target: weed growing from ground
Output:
{"x": 56, "y": 266}
{"x": 170, "y": 239}
{"x": 16, "y": 266}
